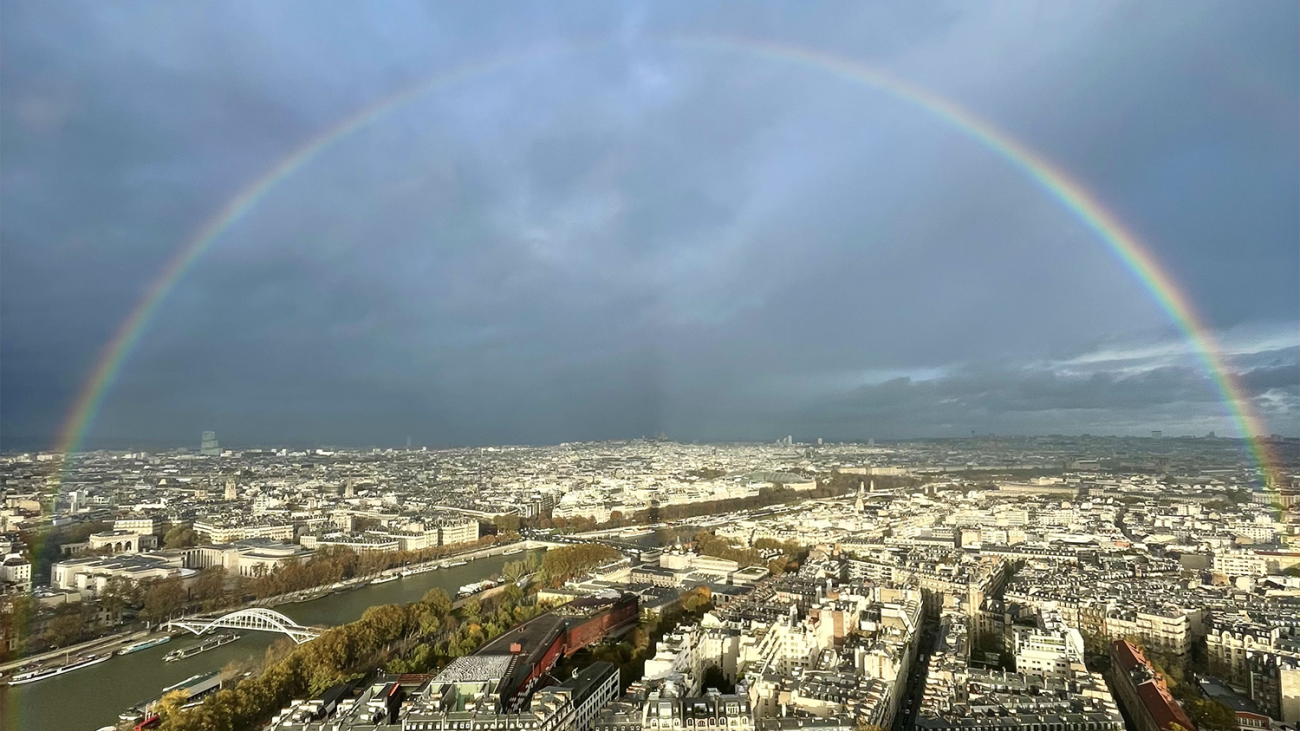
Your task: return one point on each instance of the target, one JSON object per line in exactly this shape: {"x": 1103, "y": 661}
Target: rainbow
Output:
{"x": 1121, "y": 242}
{"x": 115, "y": 353}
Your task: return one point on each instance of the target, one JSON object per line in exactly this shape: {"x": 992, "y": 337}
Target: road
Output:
{"x": 906, "y": 716}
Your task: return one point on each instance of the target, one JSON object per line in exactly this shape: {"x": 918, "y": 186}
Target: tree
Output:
{"x": 561, "y": 564}
{"x": 170, "y": 704}
{"x": 513, "y": 570}
{"x": 180, "y": 536}
{"x": 163, "y": 598}
{"x": 119, "y": 593}
{"x": 697, "y": 599}
{"x": 438, "y": 602}
{"x": 210, "y": 587}
{"x": 69, "y": 624}
{"x": 508, "y": 523}
{"x": 16, "y": 623}
{"x": 471, "y": 608}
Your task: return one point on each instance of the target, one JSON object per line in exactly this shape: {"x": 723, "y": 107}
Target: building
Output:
{"x": 91, "y": 574}
{"x": 1142, "y": 692}
{"x": 122, "y": 541}
{"x": 16, "y": 573}
{"x": 1051, "y": 649}
{"x": 591, "y": 689}
{"x": 366, "y": 543}
{"x": 228, "y": 529}
{"x": 1240, "y": 563}
{"x": 146, "y": 525}
{"x": 452, "y": 530}
{"x": 245, "y": 558}
{"x": 208, "y": 445}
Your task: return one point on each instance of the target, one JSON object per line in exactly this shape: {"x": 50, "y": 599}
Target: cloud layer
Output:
{"x": 635, "y": 236}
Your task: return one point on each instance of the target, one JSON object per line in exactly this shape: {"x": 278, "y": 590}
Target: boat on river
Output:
{"x": 144, "y": 645}
{"x": 34, "y": 675}
{"x": 193, "y": 650}
{"x": 386, "y": 579}
{"x": 194, "y": 687}
{"x": 476, "y": 587}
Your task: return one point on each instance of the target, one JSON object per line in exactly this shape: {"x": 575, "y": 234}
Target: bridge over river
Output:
{"x": 258, "y": 619}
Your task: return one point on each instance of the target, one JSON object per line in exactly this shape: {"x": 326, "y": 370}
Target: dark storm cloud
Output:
{"x": 640, "y": 237}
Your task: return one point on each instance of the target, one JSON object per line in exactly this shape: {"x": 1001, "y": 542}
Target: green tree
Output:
{"x": 506, "y": 524}
{"x": 163, "y": 598}
{"x": 180, "y": 536}
{"x": 437, "y": 601}
{"x": 119, "y": 592}
{"x": 210, "y": 587}
{"x": 70, "y": 624}
{"x": 513, "y": 570}
{"x": 561, "y": 564}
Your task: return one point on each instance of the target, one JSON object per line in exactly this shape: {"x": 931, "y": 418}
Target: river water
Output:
{"x": 87, "y": 699}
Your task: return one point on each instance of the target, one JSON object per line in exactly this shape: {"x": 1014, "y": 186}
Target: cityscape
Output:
{"x": 672, "y": 365}
{"x": 1091, "y": 582}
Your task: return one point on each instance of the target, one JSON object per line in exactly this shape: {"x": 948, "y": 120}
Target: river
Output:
{"x": 87, "y": 699}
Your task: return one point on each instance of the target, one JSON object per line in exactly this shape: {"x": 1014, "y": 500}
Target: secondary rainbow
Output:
{"x": 1074, "y": 196}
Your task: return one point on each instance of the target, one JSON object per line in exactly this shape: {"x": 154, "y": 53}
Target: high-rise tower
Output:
{"x": 210, "y": 447}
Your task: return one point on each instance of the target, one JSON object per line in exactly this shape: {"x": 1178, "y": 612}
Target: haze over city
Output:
{"x": 616, "y": 220}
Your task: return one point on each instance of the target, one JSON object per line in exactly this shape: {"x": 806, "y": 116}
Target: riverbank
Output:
{"x": 118, "y": 640}
{"x": 93, "y": 697}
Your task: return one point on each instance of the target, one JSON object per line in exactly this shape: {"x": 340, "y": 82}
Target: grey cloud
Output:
{"x": 635, "y": 238}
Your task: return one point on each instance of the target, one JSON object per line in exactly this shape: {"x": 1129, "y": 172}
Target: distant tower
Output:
{"x": 871, "y": 442}
{"x": 230, "y": 489}
{"x": 789, "y": 440}
{"x": 210, "y": 447}
{"x": 819, "y": 441}
{"x": 1156, "y": 434}
{"x": 858, "y": 506}
{"x": 348, "y": 489}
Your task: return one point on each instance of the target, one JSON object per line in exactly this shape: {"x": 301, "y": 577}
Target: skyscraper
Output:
{"x": 210, "y": 447}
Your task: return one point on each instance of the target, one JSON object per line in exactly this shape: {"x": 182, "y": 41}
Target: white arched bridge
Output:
{"x": 259, "y": 619}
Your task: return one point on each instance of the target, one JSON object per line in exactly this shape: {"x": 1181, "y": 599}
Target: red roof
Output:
{"x": 1162, "y": 707}
{"x": 1128, "y": 655}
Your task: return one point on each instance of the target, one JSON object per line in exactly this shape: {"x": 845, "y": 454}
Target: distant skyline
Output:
{"x": 636, "y": 236}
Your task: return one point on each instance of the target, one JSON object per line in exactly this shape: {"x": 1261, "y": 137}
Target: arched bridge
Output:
{"x": 259, "y": 619}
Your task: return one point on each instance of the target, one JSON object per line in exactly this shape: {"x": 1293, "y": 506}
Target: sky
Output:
{"x": 610, "y": 224}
